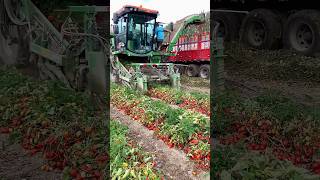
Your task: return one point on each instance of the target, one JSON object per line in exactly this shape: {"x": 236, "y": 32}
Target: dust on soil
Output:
{"x": 300, "y": 92}
{"x": 252, "y": 72}
{"x": 195, "y": 84}
{"x": 15, "y": 163}
{"x": 279, "y": 65}
{"x": 205, "y": 90}
{"x": 195, "y": 81}
{"x": 172, "y": 163}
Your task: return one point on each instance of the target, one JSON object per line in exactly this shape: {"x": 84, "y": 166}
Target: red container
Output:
{"x": 194, "y": 48}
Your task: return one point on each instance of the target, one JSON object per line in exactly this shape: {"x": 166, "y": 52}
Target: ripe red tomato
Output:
{"x": 74, "y": 172}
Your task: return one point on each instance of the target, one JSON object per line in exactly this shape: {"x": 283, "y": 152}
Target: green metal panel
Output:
{"x": 175, "y": 81}
{"x": 97, "y": 72}
{"x": 94, "y": 54}
{"x": 149, "y": 54}
{"x": 190, "y": 20}
{"x": 46, "y": 53}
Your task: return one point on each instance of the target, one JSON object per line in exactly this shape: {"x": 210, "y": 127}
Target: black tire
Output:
{"x": 305, "y": 41}
{"x": 9, "y": 49}
{"x": 179, "y": 69}
{"x": 193, "y": 70}
{"x": 261, "y": 29}
{"x": 14, "y": 45}
{"x": 205, "y": 71}
{"x": 229, "y": 25}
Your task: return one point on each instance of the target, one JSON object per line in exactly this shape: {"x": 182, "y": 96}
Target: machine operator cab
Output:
{"x": 134, "y": 29}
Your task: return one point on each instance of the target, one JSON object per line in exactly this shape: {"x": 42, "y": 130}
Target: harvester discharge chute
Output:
{"x": 182, "y": 27}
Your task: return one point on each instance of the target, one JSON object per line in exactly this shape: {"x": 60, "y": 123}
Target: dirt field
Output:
{"x": 195, "y": 84}
{"x": 251, "y": 72}
{"x": 16, "y": 164}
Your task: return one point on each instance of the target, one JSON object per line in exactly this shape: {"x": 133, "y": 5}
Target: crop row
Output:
{"x": 55, "y": 122}
{"x": 236, "y": 162}
{"x": 269, "y": 123}
{"x": 186, "y": 130}
{"x": 128, "y": 161}
{"x": 193, "y": 101}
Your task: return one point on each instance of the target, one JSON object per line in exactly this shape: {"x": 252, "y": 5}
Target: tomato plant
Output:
{"x": 128, "y": 161}
{"x": 268, "y": 122}
{"x": 176, "y": 127}
{"x": 193, "y": 101}
{"x": 55, "y": 122}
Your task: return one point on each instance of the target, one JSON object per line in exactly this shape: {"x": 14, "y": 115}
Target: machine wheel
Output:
{"x": 13, "y": 45}
{"x": 193, "y": 70}
{"x": 179, "y": 69}
{"x": 205, "y": 71}
{"x": 302, "y": 32}
{"x": 229, "y": 25}
{"x": 261, "y": 29}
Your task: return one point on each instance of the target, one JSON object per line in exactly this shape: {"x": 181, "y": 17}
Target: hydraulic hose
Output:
{"x": 99, "y": 38}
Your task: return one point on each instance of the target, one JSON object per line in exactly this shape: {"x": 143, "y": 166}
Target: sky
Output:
{"x": 169, "y": 10}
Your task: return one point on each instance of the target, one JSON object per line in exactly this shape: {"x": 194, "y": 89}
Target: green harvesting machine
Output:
{"x": 74, "y": 52}
{"x": 135, "y": 60}
{"x": 75, "y": 47}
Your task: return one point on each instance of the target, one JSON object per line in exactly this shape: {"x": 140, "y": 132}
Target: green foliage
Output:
{"x": 128, "y": 162}
{"x": 172, "y": 116}
{"x": 252, "y": 166}
{"x": 278, "y": 106}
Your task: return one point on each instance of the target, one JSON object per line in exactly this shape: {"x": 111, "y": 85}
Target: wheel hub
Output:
{"x": 204, "y": 73}
{"x": 304, "y": 37}
{"x": 190, "y": 71}
{"x": 256, "y": 33}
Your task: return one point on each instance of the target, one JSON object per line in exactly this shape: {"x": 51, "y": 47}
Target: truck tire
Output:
{"x": 9, "y": 47}
{"x": 261, "y": 29}
{"x": 205, "y": 71}
{"x": 229, "y": 25}
{"x": 193, "y": 70}
{"x": 302, "y": 32}
{"x": 179, "y": 69}
{"x": 14, "y": 45}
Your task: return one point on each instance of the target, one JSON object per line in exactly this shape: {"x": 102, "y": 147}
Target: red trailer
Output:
{"x": 192, "y": 49}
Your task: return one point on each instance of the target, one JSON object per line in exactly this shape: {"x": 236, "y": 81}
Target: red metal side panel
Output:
{"x": 196, "y": 48}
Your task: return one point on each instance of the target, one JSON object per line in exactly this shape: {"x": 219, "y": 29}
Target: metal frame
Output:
{"x": 56, "y": 59}
{"x": 135, "y": 77}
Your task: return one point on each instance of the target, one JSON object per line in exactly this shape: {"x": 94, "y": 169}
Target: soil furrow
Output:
{"x": 172, "y": 162}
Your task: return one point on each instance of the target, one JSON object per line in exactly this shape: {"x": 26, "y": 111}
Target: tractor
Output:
{"x": 135, "y": 60}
